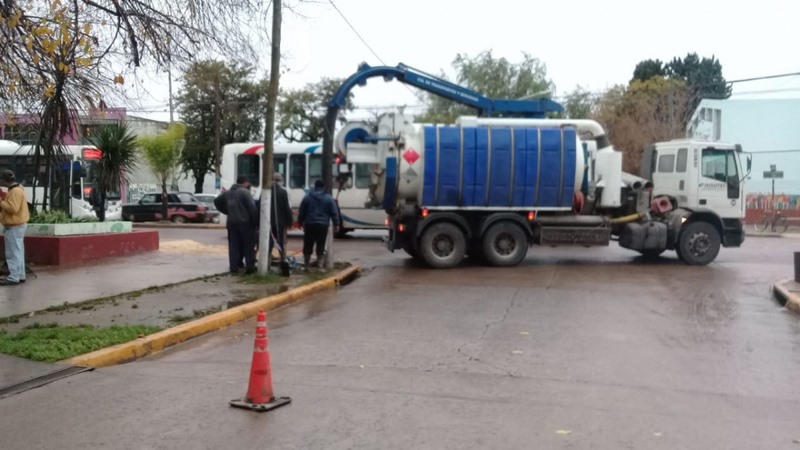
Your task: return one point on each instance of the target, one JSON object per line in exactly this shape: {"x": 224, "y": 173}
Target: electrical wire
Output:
{"x": 364, "y": 41}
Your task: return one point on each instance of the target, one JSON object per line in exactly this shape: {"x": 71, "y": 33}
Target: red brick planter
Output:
{"x": 66, "y": 250}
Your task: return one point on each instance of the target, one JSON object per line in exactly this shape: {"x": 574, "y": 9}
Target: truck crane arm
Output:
{"x": 529, "y": 108}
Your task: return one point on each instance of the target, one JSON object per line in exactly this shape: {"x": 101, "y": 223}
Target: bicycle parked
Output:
{"x": 774, "y": 221}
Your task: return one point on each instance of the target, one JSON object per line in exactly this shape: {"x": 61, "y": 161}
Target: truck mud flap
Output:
{"x": 574, "y": 236}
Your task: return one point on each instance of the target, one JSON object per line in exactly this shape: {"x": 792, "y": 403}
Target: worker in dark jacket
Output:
{"x": 317, "y": 210}
{"x": 281, "y": 216}
{"x": 239, "y": 206}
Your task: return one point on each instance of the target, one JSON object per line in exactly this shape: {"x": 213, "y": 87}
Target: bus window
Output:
{"x": 279, "y": 165}
{"x": 314, "y": 169}
{"x": 363, "y": 174}
{"x": 249, "y": 166}
{"x": 297, "y": 167}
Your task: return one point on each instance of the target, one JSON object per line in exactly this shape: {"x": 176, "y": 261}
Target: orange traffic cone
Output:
{"x": 259, "y": 392}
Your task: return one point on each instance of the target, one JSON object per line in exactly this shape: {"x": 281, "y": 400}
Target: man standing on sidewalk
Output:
{"x": 317, "y": 210}
{"x": 14, "y": 216}
{"x": 239, "y": 206}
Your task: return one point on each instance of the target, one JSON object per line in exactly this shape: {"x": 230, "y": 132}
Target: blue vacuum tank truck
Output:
{"x": 492, "y": 187}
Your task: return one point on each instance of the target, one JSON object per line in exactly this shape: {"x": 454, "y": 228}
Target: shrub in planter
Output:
{"x": 56, "y": 217}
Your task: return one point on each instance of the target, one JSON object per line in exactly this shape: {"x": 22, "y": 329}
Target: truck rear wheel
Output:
{"x": 505, "y": 244}
{"x": 443, "y": 245}
{"x": 698, "y": 244}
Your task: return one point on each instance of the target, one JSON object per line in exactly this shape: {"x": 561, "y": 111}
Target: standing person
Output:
{"x": 98, "y": 205}
{"x": 239, "y": 206}
{"x": 14, "y": 216}
{"x": 317, "y": 210}
{"x": 280, "y": 216}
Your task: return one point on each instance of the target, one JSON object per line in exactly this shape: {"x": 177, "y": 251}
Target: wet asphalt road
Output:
{"x": 574, "y": 349}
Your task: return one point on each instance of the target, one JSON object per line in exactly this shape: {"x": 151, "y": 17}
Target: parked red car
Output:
{"x": 181, "y": 207}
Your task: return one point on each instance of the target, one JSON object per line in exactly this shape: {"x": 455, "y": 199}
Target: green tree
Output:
{"x": 703, "y": 76}
{"x": 579, "y": 104}
{"x": 220, "y": 103}
{"x": 118, "y": 159}
{"x": 162, "y": 154}
{"x": 649, "y": 68}
{"x": 492, "y": 77}
{"x": 301, "y": 112}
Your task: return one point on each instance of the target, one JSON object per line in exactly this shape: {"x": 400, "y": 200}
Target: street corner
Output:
{"x": 788, "y": 293}
{"x": 149, "y": 344}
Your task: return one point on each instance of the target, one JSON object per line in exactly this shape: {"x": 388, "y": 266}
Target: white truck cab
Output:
{"x": 703, "y": 178}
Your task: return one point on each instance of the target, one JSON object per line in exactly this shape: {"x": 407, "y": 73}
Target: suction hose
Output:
{"x": 626, "y": 219}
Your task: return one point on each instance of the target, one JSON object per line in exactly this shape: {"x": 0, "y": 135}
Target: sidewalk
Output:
{"x": 175, "y": 262}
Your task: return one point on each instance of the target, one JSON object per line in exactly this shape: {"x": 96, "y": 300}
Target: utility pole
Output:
{"x": 265, "y": 226}
{"x": 217, "y": 133}
{"x": 169, "y": 83}
{"x": 172, "y": 117}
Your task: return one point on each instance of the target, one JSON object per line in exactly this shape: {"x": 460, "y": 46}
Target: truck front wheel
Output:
{"x": 443, "y": 245}
{"x": 698, "y": 244}
{"x": 505, "y": 244}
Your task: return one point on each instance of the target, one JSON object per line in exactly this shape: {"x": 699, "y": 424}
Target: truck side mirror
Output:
{"x": 749, "y": 163}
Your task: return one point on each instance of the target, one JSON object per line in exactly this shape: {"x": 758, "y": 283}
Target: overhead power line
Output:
{"x": 364, "y": 41}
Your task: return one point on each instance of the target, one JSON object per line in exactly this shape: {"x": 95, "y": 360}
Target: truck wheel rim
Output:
{"x": 505, "y": 244}
{"x": 443, "y": 246}
{"x": 699, "y": 244}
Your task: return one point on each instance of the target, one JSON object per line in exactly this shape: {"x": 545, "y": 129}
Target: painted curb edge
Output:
{"x": 156, "y": 342}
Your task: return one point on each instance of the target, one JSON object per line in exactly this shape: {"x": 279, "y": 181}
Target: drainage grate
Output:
{"x": 33, "y": 383}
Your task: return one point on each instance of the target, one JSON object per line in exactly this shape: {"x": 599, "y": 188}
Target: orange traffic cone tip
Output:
{"x": 260, "y": 396}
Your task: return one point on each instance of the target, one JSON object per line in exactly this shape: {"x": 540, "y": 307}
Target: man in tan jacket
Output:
{"x": 14, "y": 216}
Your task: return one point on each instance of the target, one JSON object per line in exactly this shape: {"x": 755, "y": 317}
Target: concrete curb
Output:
{"x": 792, "y": 301}
{"x": 153, "y": 343}
{"x": 192, "y": 226}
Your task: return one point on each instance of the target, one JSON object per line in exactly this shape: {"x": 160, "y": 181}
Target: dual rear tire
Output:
{"x": 443, "y": 245}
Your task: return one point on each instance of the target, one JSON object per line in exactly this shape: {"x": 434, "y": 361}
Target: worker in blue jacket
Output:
{"x": 317, "y": 211}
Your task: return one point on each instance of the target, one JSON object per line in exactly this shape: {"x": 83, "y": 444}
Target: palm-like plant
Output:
{"x": 119, "y": 158}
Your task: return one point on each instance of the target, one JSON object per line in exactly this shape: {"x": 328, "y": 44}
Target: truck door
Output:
{"x": 719, "y": 184}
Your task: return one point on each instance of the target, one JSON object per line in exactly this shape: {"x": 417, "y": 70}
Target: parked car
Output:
{"x": 181, "y": 207}
{"x": 208, "y": 201}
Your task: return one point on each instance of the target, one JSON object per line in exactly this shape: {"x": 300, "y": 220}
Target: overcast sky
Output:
{"x": 583, "y": 42}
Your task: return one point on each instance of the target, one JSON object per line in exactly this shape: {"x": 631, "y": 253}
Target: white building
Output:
{"x": 769, "y": 128}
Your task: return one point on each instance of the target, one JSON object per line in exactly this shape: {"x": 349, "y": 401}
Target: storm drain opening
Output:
{"x": 33, "y": 383}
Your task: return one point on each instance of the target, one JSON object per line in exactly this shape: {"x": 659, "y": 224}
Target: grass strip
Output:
{"x": 51, "y": 342}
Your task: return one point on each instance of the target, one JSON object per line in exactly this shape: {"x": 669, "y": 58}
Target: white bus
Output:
{"x": 300, "y": 164}
{"x": 70, "y": 182}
